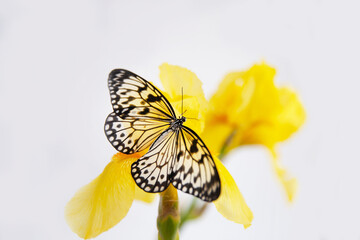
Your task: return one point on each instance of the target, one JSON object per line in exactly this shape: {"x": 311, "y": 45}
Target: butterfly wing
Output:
{"x": 181, "y": 157}
{"x": 178, "y": 155}
{"x": 194, "y": 169}
{"x": 152, "y": 172}
{"x": 141, "y": 112}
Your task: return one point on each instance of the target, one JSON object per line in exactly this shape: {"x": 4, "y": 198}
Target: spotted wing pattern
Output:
{"x": 180, "y": 157}
{"x": 144, "y": 118}
{"x": 141, "y": 112}
{"x": 194, "y": 170}
{"x": 153, "y": 171}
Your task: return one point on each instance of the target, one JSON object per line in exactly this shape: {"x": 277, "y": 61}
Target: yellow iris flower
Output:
{"x": 249, "y": 109}
{"x": 106, "y": 200}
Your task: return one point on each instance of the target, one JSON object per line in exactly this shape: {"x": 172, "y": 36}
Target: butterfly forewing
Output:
{"x": 132, "y": 135}
{"x": 141, "y": 112}
{"x": 194, "y": 170}
{"x": 129, "y": 91}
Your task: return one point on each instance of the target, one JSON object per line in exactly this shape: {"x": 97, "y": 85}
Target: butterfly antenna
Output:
{"x": 182, "y": 100}
{"x": 192, "y": 118}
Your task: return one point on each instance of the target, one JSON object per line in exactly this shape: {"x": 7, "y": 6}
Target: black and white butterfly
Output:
{"x": 144, "y": 118}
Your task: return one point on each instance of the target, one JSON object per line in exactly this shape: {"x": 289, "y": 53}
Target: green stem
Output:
{"x": 193, "y": 212}
{"x": 188, "y": 214}
{"x": 168, "y": 220}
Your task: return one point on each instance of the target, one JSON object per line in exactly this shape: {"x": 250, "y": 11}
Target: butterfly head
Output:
{"x": 182, "y": 119}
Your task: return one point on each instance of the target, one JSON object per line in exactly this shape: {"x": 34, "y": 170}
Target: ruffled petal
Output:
{"x": 261, "y": 101}
{"x": 102, "y": 203}
{"x": 292, "y": 115}
{"x": 231, "y": 203}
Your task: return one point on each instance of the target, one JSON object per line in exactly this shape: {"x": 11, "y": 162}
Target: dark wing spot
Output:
{"x": 131, "y": 98}
{"x": 193, "y": 148}
{"x": 142, "y": 88}
{"x": 145, "y": 111}
{"x": 128, "y": 110}
{"x": 152, "y": 98}
{"x": 179, "y": 155}
{"x": 201, "y": 161}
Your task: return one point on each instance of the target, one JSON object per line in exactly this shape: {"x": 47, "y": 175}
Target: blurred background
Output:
{"x": 54, "y": 60}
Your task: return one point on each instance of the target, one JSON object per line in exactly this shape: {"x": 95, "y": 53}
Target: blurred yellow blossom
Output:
{"x": 249, "y": 109}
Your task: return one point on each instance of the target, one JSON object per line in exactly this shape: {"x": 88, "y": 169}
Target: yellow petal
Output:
{"x": 216, "y": 136}
{"x": 102, "y": 203}
{"x": 262, "y": 101}
{"x": 292, "y": 115}
{"x": 232, "y": 96}
{"x": 289, "y": 183}
{"x": 177, "y": 79}
{"x": 231, "y": 203}
{"x": 194, "y": 117}
{"x": 180, "y": 83}
{"x": 141, "y": 195}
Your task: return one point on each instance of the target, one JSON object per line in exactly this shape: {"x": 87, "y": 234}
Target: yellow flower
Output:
{"x": 249, "y": 109}
{"x": 106, "y": 200}
{"x": 177, "y": 81}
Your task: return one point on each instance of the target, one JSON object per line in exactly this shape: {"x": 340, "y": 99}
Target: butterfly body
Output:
{"x": 177, "y": 123}
{"x": 144, "y": 119}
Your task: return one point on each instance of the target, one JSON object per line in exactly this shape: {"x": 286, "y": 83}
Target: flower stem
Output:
{"x": 168, "y": 220}
{"x": 192, "y": 212}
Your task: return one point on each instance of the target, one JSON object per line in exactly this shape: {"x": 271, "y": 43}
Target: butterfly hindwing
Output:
{"x": 180, "y": 157}
{"x": 141, "y": 112}
{"x": 152, "y": 172}
{"x": 194, "y": 170}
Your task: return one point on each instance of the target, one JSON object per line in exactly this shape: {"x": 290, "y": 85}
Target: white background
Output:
{"x": 54, "y": 60}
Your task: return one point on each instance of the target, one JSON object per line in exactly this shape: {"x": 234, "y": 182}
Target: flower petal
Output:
{"x": 231, "y": 203}
{"x": 177, "y": 80}
{"x": 182, "y": 84}
{"x": 216, "y": 136}
{"x": 289, "y": 183}
{"x": 261, "y": 101}
{"x": 292, "y": 116}
{"x": 102, "y": 203}
{"x": 194, "y": 117}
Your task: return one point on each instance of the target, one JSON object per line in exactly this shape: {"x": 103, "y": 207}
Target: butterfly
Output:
{"x": 143, "y": 118}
